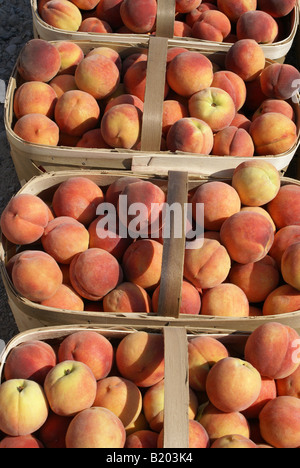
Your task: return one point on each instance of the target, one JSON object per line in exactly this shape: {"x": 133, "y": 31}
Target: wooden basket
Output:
{"x": 32, "y": 315}
{"x": 32, "y": 159}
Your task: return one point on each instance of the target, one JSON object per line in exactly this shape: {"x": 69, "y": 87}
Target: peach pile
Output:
{"x": 217, "y": 20}
{"x": 90, "y": 390}
{"x": 242, "y": 109}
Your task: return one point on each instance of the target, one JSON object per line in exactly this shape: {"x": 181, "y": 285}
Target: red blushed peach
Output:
{"x": 241, "y": 121}
{"x": 96, "y": 428}
{"x": 139, "y": 15}
{"x": 97, "y": 75}
{"x": 31, "y": 360}
{"x": 257, "y": 25}
{"x": 62, "y": 14}
{"x": 86, "y": 4}
{"x": 88, "y": 347}
{"x": 127, "y": 298}
{"x": 278, "y": 81}
{"x": 190, "y": 135}
{"x": 142, "y": 263}
{"x": 203, "y": 353}
{"x": 38, "y": 129}
{"x": 140, "y": 358}
{"x": 142, "y": 439}
{"x": 125, "y": 99}
{"x": 77, "y": 197}
{"x": 34, "y": 97}
{"x": 247, "y": 236}
{"x": 107, "y": 52}
{"x": 181, "y": 29}
{"x": 284, "y": 237}
{"x": 132, "y": 59}
{"x": 207, "y": 266}
{"x": 220, "y": 202}
{"x": 274, "y": 105}
{"x": 279, "y": 422}
{"x": 172, "y": 52}
{"x": 277, "y": 10}
{"x": 24, "y": 219}
{"x": 282, "y": 300}
{"x": 186, "y": 6}
{"x": 172, "y": 112}
{"x": 227, "y": 300}
{"x": 263, "y": 129}
{"x": 257, "y": 280}
{"x": 268, "y": 392}
{"x": 36, "y": 275}
{"x": 190, "y": 299}
{"x": 233, "y": 9}
{"x": 21, "y": 442}
{"x": 255, "y": 96}
{"x": 246, "y": 59}
{"x": 233, "y": 141}
{"x": 115, "y": 189}
{"x": 109, "y": 10}
{"x": 53, "y": 432}
{"x": 135, "y": 80}
{"x": 76, "y": 112}
{"x": 92, "y": 139}
{"x": 290, "y": 265}
{"x": 121, "y": 126}
{"x": 290, "y": 385}
{"x": 233, "y": 84}
{"x": 213, "y": 25}
{"x": 63, "y": 83}
{"x": 233, "y": 441}
{"x": 270, "y": 349}
{"x": 285, "y": 207}
{"x": 189, "y": 73}
{"x": 94, "y": 273}
{"x": 95, "y": 25}
{"x": 64, "y": 237}
{"x": 198, "y": 437}
{"x": 71, "y": 55}
{"x": 39, "y": 60}
{"x": 65, "y": 298}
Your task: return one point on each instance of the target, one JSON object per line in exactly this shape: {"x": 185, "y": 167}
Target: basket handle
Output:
{"x": 165, "y": 18}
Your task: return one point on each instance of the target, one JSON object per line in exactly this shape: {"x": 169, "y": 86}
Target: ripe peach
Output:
{"x": 233, "y": 84}
{"x": 31, "y": 360}
{"x": 127, "y": 297}
{"x": 140, "y": 358}
{"x": 77, "y": 197}
{"x": 257, "y": 25}
{"x": 282, "y": 300}
{"x": 36, "y": 275}
{"x": 241, "y": 121}
{"x": 274, "y": 105}
{"x": 142, "y": 439}
{"x": 290, "y": 385}
{"x": 108, "y": 52}
{"x": 21, "y": 442}
{"x": 62, "y": 14}
{"x": 86, "y": 4}
{"x": 95, "y": 428}
{"x": 34, "y": 97}
{"x": 268, "y": 392}
{"x": 115, "y": 189}
{"x": 245, "y": 58}
{"x": 53, "y": 431}
{"x": 226, "y": 300}
{"x": 63, "y": 83}
{"x": 234, "y": 9}
{"x": 207, "y": 266}
{"x": 190, "y": 299}
{"x": 285, "y": 207}
{"x": 133, "y": 58}
{"x": 198, "y": 437}
{"x": 213, "y": 25}
{"x": 203, "y": 353}
{"x": 39, "y": 60}
{"x": 255, "y": 96}
{"x": 65, "y": 298}
{"x": 186, "y": 6}
{"x": 125, "y": 99}
{"x": 139, "y": 16}
{"x": 284, "y": 237}
{"x": 92, "y": 139}
{"x": 290, "y": 265}
{"x": 277, "y": 81}
{"x": 233, "y": 141}
{"x": 277, "y": 10}
{"x": 190, "y": 135}
{"x": 279, "y": 422}
{"x": 247, "y": 236}
{"x": 270, "y": 349}
{"x": 37, "y": 129}
{"x": 189, "y": 72}
{"x": 172, "y": 112}
{"x": 109, "y": 10}
{"x": 233, "y": 441}
{"x": 121, "y": 126}
{"x": 95, "y": 25}
{"x": 135, "y": 79}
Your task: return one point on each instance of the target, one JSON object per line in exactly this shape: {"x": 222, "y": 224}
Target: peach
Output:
{"x": 24, "y": 219}
{"x": 121, "y": 396}
{"x": 142, "y": 263}
{"x": 279, "y": 422}
{"x": 39, "y": 60}
{"x": 186, "y": 6}
{"x": 37, "y": 129}
{"x": 241, "y": 121}
{"x": 268, "y": 392}
{"x": 76, "y": 112}
{"x": 135, "y": 79}
{"x": 64, "y": 237}
{"x": 233, "y": 84}
{"x": 121, "y": 126}
{"x": 227, "y": 300}
{"x": 190, "y": 135}
{"x": 97, "y": 75}
{"x": 172, "y": 112}
{"x": 278, "y": 81}
{"x": 106, "y": 238}
{"x": 282, "y": 300}
{"x": 290, "y": 265}
{"x": 65, "y": 298}
{"x": 142, "y": 439}
{"x": 125, "y": 99}
{"x": 95, "y": 25}
{"x": 181, "y": 29}
{"x": 133, "y": 58}
{"x": 53, "y": 432}
{"x": 213, "y": 25}
{"x": 70, "y": 387}
{"x": 95, "y": 428}
{"x": 290, "y": 385}
{"x": 140, "y": 358}
{"x": 257, "y": 280}
{"x": 36, "y": 275}
{"x": 86, "y": 4}
{"x": 256, "y": 182}
{"x": 92, "y": 139}
{"x": 277, "y": 10}
{"x": 198, "y": 437}
{"x": 189, "y": 72}
{"x": 246, "y": 59}
{"x": 34, "y": 97}
{"x": 233, "y": 9}
{"x": 233, "y": 441}
{"x": 285, "y": 207}
{"x": 107, "y": 52}
{"x": 220, "y": 202}
{"x": 257, "y": 25}
{"x": 213, "y": 105}
{"x": 22, "y": 442}
{"x": 62, "y": 14}
{"x": 127, "y": 298}
{"x": 270, "y": 349}
{"x": 203, "y": 353}
{"x": 218, "y": 424}
{"x": 190, "y": 299}
{"x": 173, "y": 51}
{"x": 255, "y": 95}
{"x": 274, "y": 105}
{"x": 71, "y": 55}
{"x": 140, "y": 424}
{"x": 247, "y": 236}
{"x": 139, "y": 15}
{"x": 233, "y": 141}
{"x": 63, "y": 83}
{"x": 109, "y": 10}
{"x": 31, "y": 360}
{"x": 115, "y": 189}
{"x": 206, "y": 266}
{"x": 77, "y": 197}
{"x": 284, "y": 237}
{"x": 23, "y": 407}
